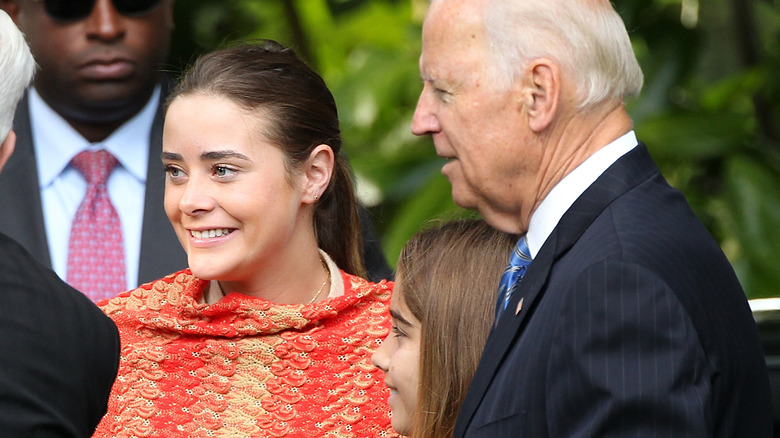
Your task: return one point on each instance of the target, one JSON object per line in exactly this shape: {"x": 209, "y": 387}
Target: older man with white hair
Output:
{"x": 58, "y": 352}
{"x": 618, "y": 315}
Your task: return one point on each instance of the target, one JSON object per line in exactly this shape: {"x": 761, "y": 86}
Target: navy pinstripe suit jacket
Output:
{"x": 633, "y": 324}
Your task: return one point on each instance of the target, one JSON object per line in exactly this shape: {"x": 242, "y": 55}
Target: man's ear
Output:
{"x": 542, "y": 92}
{"x": 7, "y": 148}
{"x": 318, "y": 171}
{"x": 12, "y": 8}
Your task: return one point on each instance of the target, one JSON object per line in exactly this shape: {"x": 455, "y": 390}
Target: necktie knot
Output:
{"x": 521, "y": 256}
{"x": 519, "y": 261}
{"x": 96, "y": 166}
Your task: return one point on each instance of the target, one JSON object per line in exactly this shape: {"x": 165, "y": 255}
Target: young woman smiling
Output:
{"x": 270, "y": 330}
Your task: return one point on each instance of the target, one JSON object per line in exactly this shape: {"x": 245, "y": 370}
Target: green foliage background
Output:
{"x": 709, "y": 112}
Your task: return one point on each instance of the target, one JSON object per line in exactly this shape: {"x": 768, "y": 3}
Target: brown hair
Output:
{"x": 269, "y": 78}
{"x": 449, "y": 278}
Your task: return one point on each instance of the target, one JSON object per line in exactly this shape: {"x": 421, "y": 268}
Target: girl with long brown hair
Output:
{"x": 442, "y": 309}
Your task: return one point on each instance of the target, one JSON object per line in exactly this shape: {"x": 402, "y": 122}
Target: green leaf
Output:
{"x": 694, "y": 136}
{"x": 753, "y": 192}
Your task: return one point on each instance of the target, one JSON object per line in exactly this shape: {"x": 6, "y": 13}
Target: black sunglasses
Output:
{"x": 74, "y": 10}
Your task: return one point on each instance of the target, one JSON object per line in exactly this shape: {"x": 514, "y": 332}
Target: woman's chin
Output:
{"x": 400, "y": 424}
{"x": 205, "y": 271}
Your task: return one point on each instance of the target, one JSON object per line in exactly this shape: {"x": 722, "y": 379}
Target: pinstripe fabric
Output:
{"x": 58, "y": 352}
{"x": 633, "y": 325}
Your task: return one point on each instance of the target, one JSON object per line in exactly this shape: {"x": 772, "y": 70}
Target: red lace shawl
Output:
{"x": 245, "y": 366}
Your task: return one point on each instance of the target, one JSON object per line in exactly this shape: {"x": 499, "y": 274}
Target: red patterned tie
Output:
{"x": 96, "y": 257}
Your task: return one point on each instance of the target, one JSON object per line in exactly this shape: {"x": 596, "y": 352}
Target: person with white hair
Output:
{"x": 17, "y": 67}
{"x": 618, "y": 314}
{"x": 58, "y": 352}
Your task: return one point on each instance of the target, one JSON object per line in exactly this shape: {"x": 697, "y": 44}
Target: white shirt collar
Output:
{"x": 56, "y": 140}
{"x": 563, "y": 195}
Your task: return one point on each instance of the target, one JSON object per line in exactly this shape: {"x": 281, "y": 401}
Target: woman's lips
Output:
{"x": 207, "y": 238}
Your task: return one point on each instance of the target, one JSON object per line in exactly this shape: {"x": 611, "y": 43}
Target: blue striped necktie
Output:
{"x": 518, "y": 264}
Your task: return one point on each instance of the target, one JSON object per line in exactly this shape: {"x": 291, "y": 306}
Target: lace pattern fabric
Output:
{"x": 245, "y": 366}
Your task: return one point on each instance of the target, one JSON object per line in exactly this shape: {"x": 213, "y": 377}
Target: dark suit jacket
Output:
{"x": 161, "y": 252}
{"x": 632, "y": 324}
{"x": 58, "y": 352}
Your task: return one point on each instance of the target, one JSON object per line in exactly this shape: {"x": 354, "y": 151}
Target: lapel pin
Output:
{"x": 519, "y": 305}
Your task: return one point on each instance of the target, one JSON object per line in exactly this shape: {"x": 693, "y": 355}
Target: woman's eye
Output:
{"x": 222, "y": 171}
{"x": 397, "y": 332}
{"x": 173, "y": 172}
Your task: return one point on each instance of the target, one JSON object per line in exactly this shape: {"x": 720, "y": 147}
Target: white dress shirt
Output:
{"x": 63, "y": 187}
{"x": 563, "y": 195}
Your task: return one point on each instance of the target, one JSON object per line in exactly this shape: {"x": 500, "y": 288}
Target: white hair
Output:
{"x": 587, "y": 38}
{"x": 16, "y": 70}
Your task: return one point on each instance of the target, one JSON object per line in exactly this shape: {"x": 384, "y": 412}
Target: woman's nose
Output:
{"x": 380, "y": 356}
{"x": 195, "y": 198}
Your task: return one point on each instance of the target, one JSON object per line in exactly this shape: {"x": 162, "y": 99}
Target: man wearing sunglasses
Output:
{"x": 99, "y": 87}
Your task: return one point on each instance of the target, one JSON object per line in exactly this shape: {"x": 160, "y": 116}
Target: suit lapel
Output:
{"x": 502, "y": 336}
{"x": 629, "y": 171}
{"x": 19, "y": 190}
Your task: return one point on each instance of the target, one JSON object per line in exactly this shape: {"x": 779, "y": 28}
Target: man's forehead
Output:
{"x": 448, "y": 32}
{"x": 453, "y": 20}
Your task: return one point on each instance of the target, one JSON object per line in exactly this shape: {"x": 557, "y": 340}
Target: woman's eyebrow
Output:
{"x": 219, "y": 155}
{"x": 171, "y": 156}
{"x": 397, "y": 316}
{"x": 206, "y": 156}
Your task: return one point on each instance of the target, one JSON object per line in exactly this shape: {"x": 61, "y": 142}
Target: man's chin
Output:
{"x": 464, "y": 199}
